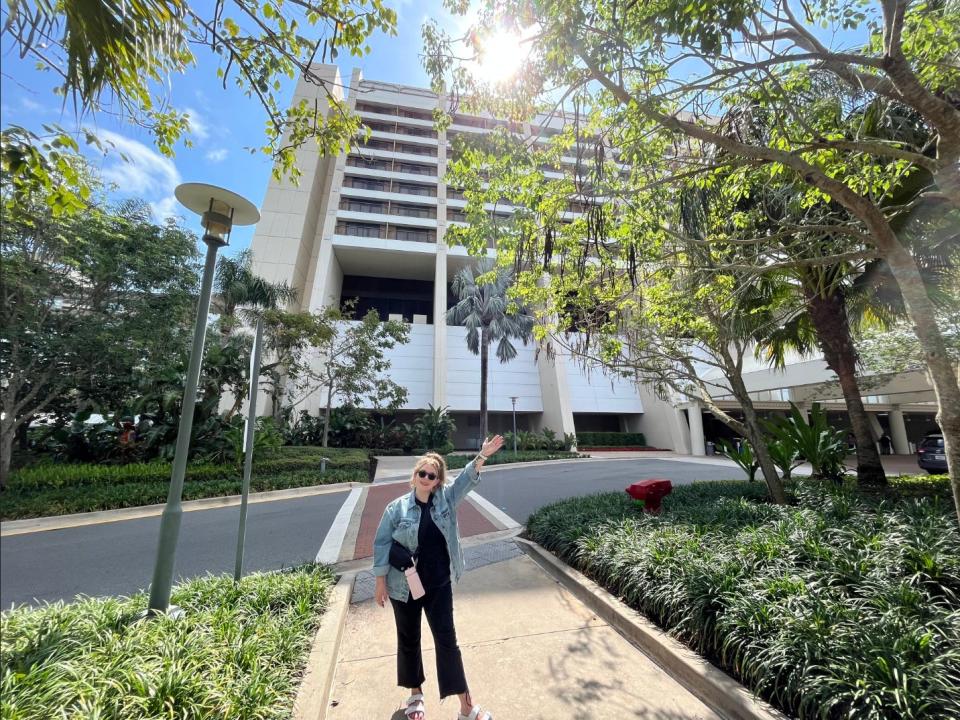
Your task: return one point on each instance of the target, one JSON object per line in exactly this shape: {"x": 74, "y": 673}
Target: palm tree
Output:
{"x": 489, "y": 317}
{"x": 237, "y": 288}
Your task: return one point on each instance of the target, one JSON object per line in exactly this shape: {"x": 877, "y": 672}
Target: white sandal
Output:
{"x": 414, "y": 705}
{"x": 477, "y": 713}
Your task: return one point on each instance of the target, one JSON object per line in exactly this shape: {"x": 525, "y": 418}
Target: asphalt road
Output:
{"x": 521, "y": 491}
{"x": 117, "y": 558}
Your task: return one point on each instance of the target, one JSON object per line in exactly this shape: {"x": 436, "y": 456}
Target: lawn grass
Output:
{"x": 239, "y": 652}
{"x": 837, "y": 605}
{"x": 63, "y": 489}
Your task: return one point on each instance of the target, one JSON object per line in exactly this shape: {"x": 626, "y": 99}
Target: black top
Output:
{"x": 433, "y": 559}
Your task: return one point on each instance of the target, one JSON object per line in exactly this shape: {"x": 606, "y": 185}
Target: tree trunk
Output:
{"x": 484, "y": 343}
{"x": 326, "y": 416}
{"x": 829, "y": 317}
{"x": 756, "y": 438}
{"x": 23, "y": 437}
{"x": 943, "y": 372}
{"x": 7, "y": 435}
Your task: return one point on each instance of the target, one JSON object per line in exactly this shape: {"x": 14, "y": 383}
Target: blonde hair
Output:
{"x": 435, "y": 459}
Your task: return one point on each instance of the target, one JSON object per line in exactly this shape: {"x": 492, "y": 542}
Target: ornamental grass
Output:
{"x": 835, "y": 606}
{"x": 239, "y": 652}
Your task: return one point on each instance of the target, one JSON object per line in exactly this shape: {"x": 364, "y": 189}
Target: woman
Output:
{"x": 423, "y": 524}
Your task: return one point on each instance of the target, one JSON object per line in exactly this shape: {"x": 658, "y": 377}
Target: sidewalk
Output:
{"x": 531, "y": 650}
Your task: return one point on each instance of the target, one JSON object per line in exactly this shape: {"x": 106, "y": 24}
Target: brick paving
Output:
{"x": 472, "y": 522}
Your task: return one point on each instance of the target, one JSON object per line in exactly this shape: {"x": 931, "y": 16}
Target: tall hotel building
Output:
{"x": 370, "y": 226}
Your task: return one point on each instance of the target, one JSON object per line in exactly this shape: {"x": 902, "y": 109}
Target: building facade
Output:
{"x": 369, "y": 226}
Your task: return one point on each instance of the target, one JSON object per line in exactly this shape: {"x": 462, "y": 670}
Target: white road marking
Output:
{"x": 499, "y": 515}
{"x": 329, "y": 552}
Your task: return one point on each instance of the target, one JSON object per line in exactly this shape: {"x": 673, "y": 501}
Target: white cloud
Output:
{"x": 218, "y": 155}
{"x": 198, "y": 125}
{"x": 30, "y": 105}
{"x": 139, "y": 170}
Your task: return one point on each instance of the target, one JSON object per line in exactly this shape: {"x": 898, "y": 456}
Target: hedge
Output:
{"x": 610, "y": 439}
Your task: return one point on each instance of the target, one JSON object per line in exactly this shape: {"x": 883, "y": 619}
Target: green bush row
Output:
{"x": 238, "y": 652}
{"x": 610, "y": 439}
{"x": 283, "y": 460}
{"x": 838, "y": 606}
{"x": 88, "y": 498}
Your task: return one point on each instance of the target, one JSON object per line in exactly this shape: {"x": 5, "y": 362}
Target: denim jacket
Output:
{"x": 401, "y": 522}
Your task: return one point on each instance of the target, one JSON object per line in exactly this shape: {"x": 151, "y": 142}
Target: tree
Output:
{"x": 288, "y": 339}
{"x": 618, "y": 64}
{"x": 118, "y": 59}
{"x": 90, "y": 303}
{"x": 236, "y": 287}
{"x": 352, "y": 362}
{"x": 490, "y": 317}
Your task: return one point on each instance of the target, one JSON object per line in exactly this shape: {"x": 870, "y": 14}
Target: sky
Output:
{"x": 225, "y": 123}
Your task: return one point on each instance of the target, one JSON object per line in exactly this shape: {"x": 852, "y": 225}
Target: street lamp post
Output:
{"x": 248, "y": 438}
{"x": 513, "y": 399}
{"x": 220, "y": 210}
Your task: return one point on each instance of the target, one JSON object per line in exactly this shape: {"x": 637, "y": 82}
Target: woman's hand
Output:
{"x": 380, "y": 593}
{"x": 492, "y": 445}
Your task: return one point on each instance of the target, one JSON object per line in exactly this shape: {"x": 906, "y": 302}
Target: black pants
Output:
{"x": 438, "y": 605}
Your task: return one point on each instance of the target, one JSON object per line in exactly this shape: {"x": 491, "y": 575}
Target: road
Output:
{"x": 520, "y": 491}
{"x": 117, "y": 558}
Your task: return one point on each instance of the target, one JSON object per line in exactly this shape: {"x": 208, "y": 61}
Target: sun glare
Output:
{"x": 501, "y": 55}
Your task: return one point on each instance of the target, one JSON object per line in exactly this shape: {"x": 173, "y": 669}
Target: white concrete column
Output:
{"x": 440, "y": 274}
{"x": 554, "y": 392}
{"x": 804, "y": 409}
{"x": 875, "y": 427}
{"x": 898, "y": 432}
{"x": 697, "y": 442}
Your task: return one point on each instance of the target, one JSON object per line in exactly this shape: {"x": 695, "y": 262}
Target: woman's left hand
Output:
{"x": 492, "y": 445}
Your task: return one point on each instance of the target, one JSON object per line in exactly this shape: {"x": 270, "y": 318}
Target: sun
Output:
{"x": 500, "y": 55}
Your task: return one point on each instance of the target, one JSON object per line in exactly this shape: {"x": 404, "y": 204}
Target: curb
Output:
{"x": 61, "y": 522}
{"x": 314, "y": 693}
{"x": 713, "y": 686}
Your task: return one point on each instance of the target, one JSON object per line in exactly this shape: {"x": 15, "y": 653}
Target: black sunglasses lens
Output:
{"x": 425, "y": 474}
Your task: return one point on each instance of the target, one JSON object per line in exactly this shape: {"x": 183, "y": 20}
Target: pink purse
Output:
{"x": 413, "y": 580}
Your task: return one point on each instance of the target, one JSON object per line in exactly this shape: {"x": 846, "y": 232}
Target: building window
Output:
{"x": 411, "y": 299}
{"x": 414, "y": 234}
{"x": 415, "y": 169}
{"x": 413, "y": 189}
{"x": 456, "y": 215}
{"x": 370, "y": 163}
{"x": 417, "y": 211}
{"x": 362, "y": 206}
{"x": 365, "y": 183}
{"x": 356, "y": 229}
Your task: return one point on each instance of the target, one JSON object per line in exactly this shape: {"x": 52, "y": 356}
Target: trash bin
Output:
{"x": 711, "y": 448}
{"x": 373, "y": 468}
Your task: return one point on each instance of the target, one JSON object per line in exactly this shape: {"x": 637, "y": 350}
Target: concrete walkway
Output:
{"x": 531, "y": 650}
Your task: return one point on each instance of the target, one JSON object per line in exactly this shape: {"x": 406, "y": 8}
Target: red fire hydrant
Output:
{"x": 650, "y": 492}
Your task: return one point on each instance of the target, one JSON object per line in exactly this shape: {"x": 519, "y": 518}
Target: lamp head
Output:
{"x": 219, "y": 210}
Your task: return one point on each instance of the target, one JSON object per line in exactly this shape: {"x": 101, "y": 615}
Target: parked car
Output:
{"x": 931, "y": 454}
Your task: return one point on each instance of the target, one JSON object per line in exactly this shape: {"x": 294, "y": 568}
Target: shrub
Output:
{"x": 239, "y": 651}
{"x": 433, "y": 429}
{"x": 841, "y": 606}
{"x": 815, "y": 441}
{"x": 741, "y": 454}
{"x": 63, "y": 489}
{"x": 610, "y": 439}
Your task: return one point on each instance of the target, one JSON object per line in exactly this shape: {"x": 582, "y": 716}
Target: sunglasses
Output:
{"x": 425, "y": 474}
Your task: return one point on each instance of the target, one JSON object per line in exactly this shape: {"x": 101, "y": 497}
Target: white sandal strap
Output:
{"x": 414, "y": 705}
{"x": 475, "y": 714}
